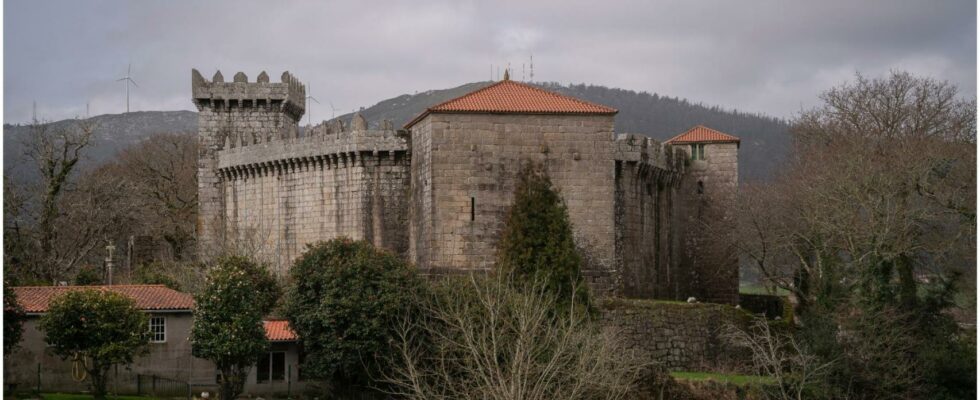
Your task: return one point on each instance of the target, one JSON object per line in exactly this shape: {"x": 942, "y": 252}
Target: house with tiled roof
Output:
{"x": 169, "y": 358}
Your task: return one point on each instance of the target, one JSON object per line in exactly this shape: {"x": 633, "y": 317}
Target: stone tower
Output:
{"x": 237, "y": 114}
{"x": 709, "y": 189}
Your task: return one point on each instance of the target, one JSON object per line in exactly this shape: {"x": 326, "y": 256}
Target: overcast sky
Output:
{"x": 770, "y": 57}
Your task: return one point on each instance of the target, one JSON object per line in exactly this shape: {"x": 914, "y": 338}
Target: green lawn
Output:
{"x": 75, "y": 396}
{"x": 740, "y": 380}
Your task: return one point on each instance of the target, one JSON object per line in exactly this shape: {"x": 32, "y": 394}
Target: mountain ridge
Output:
{"x": 765, "y": 140}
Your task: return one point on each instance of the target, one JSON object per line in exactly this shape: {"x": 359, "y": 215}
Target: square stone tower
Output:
{"x": 709, "y": 190}
{"x": 236, "y": 114}
{"x": 466, "y": 154}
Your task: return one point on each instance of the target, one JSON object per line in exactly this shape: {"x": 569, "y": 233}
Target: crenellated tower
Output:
{"x": 237, "y": 114}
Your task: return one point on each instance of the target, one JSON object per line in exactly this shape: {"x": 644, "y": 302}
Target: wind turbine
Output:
{"x": 333, "y": 110}
{"x": 309, "y": 115}
{"x": 129, "y": 81}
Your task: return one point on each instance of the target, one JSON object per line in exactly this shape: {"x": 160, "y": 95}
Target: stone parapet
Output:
{"x": 312, "y": 147}
{"x": 639, "y": 148}
{"x": 289, "y": 93}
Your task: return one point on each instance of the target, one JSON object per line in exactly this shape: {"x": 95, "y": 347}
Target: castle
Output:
{"x": 651, "y": 219}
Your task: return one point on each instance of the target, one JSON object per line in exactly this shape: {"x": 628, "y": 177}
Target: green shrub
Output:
{"x": 100, "y": 327}
{"x": 153, "y": 274}
{"x": 537, "y": 243}
{"x": 89, "y": 275}
{"x": 343, "y": 301}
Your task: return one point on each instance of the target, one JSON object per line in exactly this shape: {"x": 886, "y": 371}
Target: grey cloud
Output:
{"x": 768, "y": 56}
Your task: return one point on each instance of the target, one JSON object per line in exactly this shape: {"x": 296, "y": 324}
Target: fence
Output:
{"x": 156, "y": 386}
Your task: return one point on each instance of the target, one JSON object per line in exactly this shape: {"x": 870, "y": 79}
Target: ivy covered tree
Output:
{"x": 537, "y": 243}
{"x": 13, "y": 320}
{"x": 345, "y": 300}
{"x": 228, "y": 319}
{"x": 100, "y": 327}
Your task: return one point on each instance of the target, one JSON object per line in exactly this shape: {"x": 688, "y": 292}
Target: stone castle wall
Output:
{"x": 282, "y": 195}
{"x": 267, "y": 191}
{"x": 465, "y": 172}
{"x": 709, "y": 189}
{"x": 439, "y": 195}
{"x": 647, "y": 181}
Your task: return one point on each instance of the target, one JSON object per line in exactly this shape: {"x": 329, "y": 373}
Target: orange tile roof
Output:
{"x": 703, "y": 134}
{"x": 510, "y": 97}
{"x": 279, "y": 331}
{"x": 35, "y": 299}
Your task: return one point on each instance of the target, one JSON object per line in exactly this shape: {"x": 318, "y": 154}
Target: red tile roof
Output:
{"x": 35, "y": 299}
{"x": 279, "y": 331}
{"x": 510, "y": 97}
{"x": 703, "y": 134}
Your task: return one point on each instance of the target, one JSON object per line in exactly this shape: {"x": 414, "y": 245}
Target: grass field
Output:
{"x": 740, "y": 380}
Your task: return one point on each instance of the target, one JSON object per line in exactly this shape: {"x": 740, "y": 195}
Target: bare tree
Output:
{"x": 882, "y": 184}
{"x": 56, "y": 151}
{"x": 487, "y": 340}
{"x": 163, "y": 173}
{"x": 780, "y": 356}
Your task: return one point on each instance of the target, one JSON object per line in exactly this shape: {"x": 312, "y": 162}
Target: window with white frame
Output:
{"x": 158, "y": 329}
{"x": 697, "y": 151}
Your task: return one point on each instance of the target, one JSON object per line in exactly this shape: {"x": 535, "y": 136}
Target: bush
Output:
{"x": 537, "y": 244}
{"x": 13, "y": 320}
{"x": 343, "y": 301}
{"x": 100, "y": 327}
{"x": 486, "y": 339}
{"x": 153, "y": 274}
{"x": 89, "y": 275}
{"x": 228, "y": 319}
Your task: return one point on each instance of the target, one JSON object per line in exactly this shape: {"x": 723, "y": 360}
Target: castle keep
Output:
{"x": 650, "y": 218}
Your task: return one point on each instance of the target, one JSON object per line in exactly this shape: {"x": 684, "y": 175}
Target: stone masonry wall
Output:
{"x": 282, "y": 195}
{"x": 677, "y": 336}
{"x": 465, "y": 174}
{"x": 236, "y": 114}
{"x": 645, "y": 185}
{"x": 709, "y": 189}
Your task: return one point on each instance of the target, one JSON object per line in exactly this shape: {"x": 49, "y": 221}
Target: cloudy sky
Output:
{"x": 771, "y": 57}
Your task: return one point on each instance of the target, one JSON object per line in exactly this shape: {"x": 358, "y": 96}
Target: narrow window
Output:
{"x": 271, "y": 367}
{"x": 472, "y": 208}
{"x": 700, "y": 187}
{"x": 158, "y": 329}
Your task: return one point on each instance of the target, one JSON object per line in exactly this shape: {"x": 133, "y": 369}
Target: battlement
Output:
{"x": 324, "y": 141}
{"x": 639, "y": 148}
{"x": 289, "y": 93}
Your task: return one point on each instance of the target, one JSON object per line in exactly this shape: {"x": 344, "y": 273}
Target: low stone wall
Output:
{"x": 674, "y": 335}
{"x": 771, "y": 306}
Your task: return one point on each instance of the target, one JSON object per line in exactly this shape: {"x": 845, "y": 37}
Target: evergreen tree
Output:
{"x": 228, "y": 319}
{"x": 100, "y": 328}
{"x": 537, "y": 244}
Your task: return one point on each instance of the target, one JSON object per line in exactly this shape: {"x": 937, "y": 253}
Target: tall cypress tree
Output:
{"x": 537, "y": 243}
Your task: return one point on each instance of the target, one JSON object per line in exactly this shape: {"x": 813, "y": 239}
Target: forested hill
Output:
{"x": 764, "y": 140}
{"x": 113, "y": 132}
